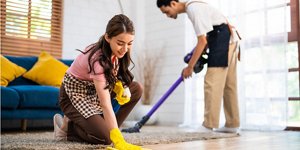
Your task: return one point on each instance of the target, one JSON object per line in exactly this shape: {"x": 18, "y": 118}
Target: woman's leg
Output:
{"x": 64, "y": 126}
{"x": 136, "y": 91}
{"x": 91, "y": 130}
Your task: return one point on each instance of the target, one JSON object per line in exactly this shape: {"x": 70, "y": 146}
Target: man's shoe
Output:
{"x": 227, "y": 130}
{"x": 59, "y": 134}
{"x": 204, "y": 129}
{"x": 201, "y": 129}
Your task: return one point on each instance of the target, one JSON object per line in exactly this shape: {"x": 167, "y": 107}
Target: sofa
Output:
{"x": 23, "y": 99}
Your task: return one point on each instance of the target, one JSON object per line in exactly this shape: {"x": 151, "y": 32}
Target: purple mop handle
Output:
{"x": 165, "y": 96}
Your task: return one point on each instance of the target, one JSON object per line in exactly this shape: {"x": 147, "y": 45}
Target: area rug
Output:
{"x": 149, "y": 136}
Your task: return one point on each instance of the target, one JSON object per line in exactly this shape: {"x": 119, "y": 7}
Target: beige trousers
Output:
{"x": 221, "y": 82}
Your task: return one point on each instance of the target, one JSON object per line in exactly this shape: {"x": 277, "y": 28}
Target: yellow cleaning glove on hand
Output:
{"x": 119, "y": 141}
{"x": 123, "y": 95}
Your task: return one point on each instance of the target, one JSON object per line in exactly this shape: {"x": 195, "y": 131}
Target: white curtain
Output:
{"x": 262, "y": 72}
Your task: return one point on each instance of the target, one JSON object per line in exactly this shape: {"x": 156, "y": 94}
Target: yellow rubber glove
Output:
{"x": 119, "y": 141}
{"x": 122, "y": 96}
{"x": 111, "y": 148}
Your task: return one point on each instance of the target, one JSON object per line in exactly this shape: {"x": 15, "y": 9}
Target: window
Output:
{"x": 293, "y": 56}
{"x": 31, "y": 26}
{"x": 269, "y": 14}
{"x": 269, "y": 18}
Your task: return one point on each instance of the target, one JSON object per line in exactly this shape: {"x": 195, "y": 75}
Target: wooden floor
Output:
{"x": 249, "y": 140}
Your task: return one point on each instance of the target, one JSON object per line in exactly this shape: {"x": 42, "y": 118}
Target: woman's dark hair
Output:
{"x": 116, "y": 25}
{"x": 160, "y": 3}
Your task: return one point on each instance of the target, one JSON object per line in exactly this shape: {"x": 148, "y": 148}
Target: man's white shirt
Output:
{"x": 203, "y": 16}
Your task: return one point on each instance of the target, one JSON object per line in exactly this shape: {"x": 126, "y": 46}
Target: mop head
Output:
{"x": 134, "y": 129}
{"x": 137, "y": 126}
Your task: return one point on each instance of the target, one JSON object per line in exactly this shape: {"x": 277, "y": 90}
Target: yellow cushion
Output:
{"x": 47, "y": 71}
{"x": 9, "y": 71}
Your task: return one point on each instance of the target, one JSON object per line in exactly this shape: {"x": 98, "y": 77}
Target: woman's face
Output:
{"x": 120, "y": 44}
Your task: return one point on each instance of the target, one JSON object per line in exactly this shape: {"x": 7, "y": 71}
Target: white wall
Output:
{"x": 168, "y": 35}
{"x": 85, "y": 21}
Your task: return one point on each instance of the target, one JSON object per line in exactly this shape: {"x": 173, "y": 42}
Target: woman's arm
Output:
{"x": 105, "y": 102}
{"x": 110, "y": 118}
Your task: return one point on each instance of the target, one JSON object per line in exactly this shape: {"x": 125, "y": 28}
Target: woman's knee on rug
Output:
{"x": 95, "y": 139}
{"x": 88, "y": 136}
{"x": 97, "y": 131}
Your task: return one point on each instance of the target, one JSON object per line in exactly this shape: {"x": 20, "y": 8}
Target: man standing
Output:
{"x": 212, "y": 29}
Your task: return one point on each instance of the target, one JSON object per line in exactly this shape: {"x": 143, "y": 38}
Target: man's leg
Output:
{"x": 214, "y": 83}
{"x": 231, "y": 108}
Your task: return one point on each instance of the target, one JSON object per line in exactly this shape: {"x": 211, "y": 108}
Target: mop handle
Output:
{"x": 165, "y": 96}
{"x": 171, "y": 89}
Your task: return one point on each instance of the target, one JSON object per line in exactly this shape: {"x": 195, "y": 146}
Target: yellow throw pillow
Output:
{"x": 47, "y": 71}
{"x": 9, "y": 71}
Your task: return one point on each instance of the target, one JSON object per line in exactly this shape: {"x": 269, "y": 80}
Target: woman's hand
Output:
{"x": 122, "y": 94}
{"x": 119, "y": 141}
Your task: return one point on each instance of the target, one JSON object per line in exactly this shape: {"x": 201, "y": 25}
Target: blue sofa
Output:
{"x": 24, "y": 99}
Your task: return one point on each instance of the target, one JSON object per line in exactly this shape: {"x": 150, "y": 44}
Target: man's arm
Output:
{"x": 187, "y": 71}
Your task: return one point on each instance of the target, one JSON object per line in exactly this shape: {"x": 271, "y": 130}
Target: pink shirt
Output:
{"x": 80, "y": 68}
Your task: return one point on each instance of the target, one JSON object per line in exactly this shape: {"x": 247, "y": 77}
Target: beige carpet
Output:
{"x": 148, "y": 136}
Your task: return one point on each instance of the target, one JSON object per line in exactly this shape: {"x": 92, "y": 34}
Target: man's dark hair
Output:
{"x": 160, "y": 3}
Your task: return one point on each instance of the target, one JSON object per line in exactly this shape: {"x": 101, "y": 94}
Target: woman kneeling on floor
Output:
{"x": 97, "y": 92}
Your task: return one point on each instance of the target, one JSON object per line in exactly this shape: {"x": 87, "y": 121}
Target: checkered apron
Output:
{"x": 83, "y": 95}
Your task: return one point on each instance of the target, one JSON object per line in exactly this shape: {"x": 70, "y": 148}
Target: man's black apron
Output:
{"x": 218, "y": 44}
